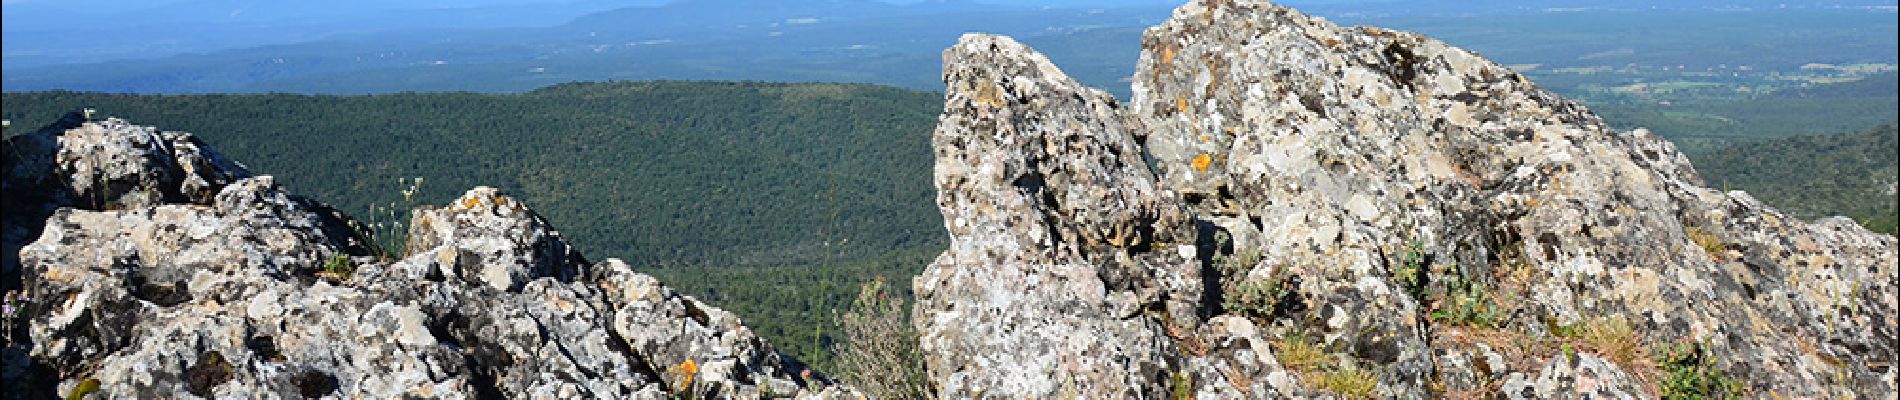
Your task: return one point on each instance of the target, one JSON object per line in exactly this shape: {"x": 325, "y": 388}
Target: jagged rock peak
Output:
{"x": 161, "y": 290}
{"x": 100, "y": 165}
{"x": 1358, "y": 211}
{"x": 1049, "y": 206}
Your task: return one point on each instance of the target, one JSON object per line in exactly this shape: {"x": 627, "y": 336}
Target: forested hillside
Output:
{"x": 720, "y": 189}
{"x": 653, "y": 173}
{"x": 1814, "y": 176}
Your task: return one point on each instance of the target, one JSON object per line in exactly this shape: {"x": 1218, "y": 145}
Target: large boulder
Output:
{"x": 1426, "y": 221}
{"x": 99, "y": 165}
{"x": 1066, "y": 260}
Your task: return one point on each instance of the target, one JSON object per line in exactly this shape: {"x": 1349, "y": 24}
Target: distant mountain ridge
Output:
{"x": 805, "y": 40}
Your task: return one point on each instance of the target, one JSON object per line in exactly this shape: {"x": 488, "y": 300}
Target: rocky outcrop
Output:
{"x": 1292, "y": 208}
{"x": 105, "y": 165}
{"x": 1042, "y": 184}
{"x": 163, "y": 271}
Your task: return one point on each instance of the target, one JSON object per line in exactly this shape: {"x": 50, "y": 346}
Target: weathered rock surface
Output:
{"x": 1432, "y": 222}
{"x": 1049, "y": 203}
{"x": 110, "y": 164}
{"x": 189, "y": 277}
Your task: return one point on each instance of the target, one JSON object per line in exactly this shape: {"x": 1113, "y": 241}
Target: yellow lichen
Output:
{"x": 1201, "y": 162}
{"x": 989, "y": 94}
{"x": 686, "y": 370}
{"x": 1181, "y": 104}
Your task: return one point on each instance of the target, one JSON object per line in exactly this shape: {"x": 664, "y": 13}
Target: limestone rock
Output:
{"x": 1062, "y": 272}
{"x": 98, "y": 165}
{"x": 484, "y": 237}
{"x": 1406, "y": 204}
{"x": 250, "y": 292}
{"x": 1582, "y": 376}
{"x": 114, "y": 164}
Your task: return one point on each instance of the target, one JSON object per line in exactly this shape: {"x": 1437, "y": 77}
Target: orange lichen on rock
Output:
{"x": 1201, "y": 162}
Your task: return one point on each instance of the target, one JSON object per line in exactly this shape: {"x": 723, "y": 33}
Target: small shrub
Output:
{"x": 338, "y": 267}
{"x": 1467, "y": 303}
{"x": 387, "y": 233}
{"x": 1411, "y": 272}
{"x": 1689, "y": 373}
{"x": 1242, "y": 296}
{"x": 1254, "y": 299}
{"x": 879, "y": 353}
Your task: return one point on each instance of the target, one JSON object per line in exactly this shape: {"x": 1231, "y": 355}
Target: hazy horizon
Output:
{"x": 169, "y": 46}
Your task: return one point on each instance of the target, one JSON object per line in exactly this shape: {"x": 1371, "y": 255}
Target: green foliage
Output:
{"x": 1412, "y": 272}
{"x": 390, "y": 222}
{"x": 1466, "y": 302}
{"x": 1816, "y": 176}
{"x": 1241, "y": 293}
{"x": 1689, "y": 373}
{"x": 338, "y": 266}
{"x": 1705, "y": 127}
{"x": 1254, "y": 298}
{"x": 1451, "y": 296}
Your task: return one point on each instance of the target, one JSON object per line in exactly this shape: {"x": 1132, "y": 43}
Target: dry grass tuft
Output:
{"x": 1708, "y": 241}
{"x": 1348, "y": 383}
{"x": 880, "y": 354}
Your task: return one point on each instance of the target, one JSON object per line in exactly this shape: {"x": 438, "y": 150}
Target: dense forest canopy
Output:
{"x": 654, "y": 172}
{"x": 1814, "y": 176}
